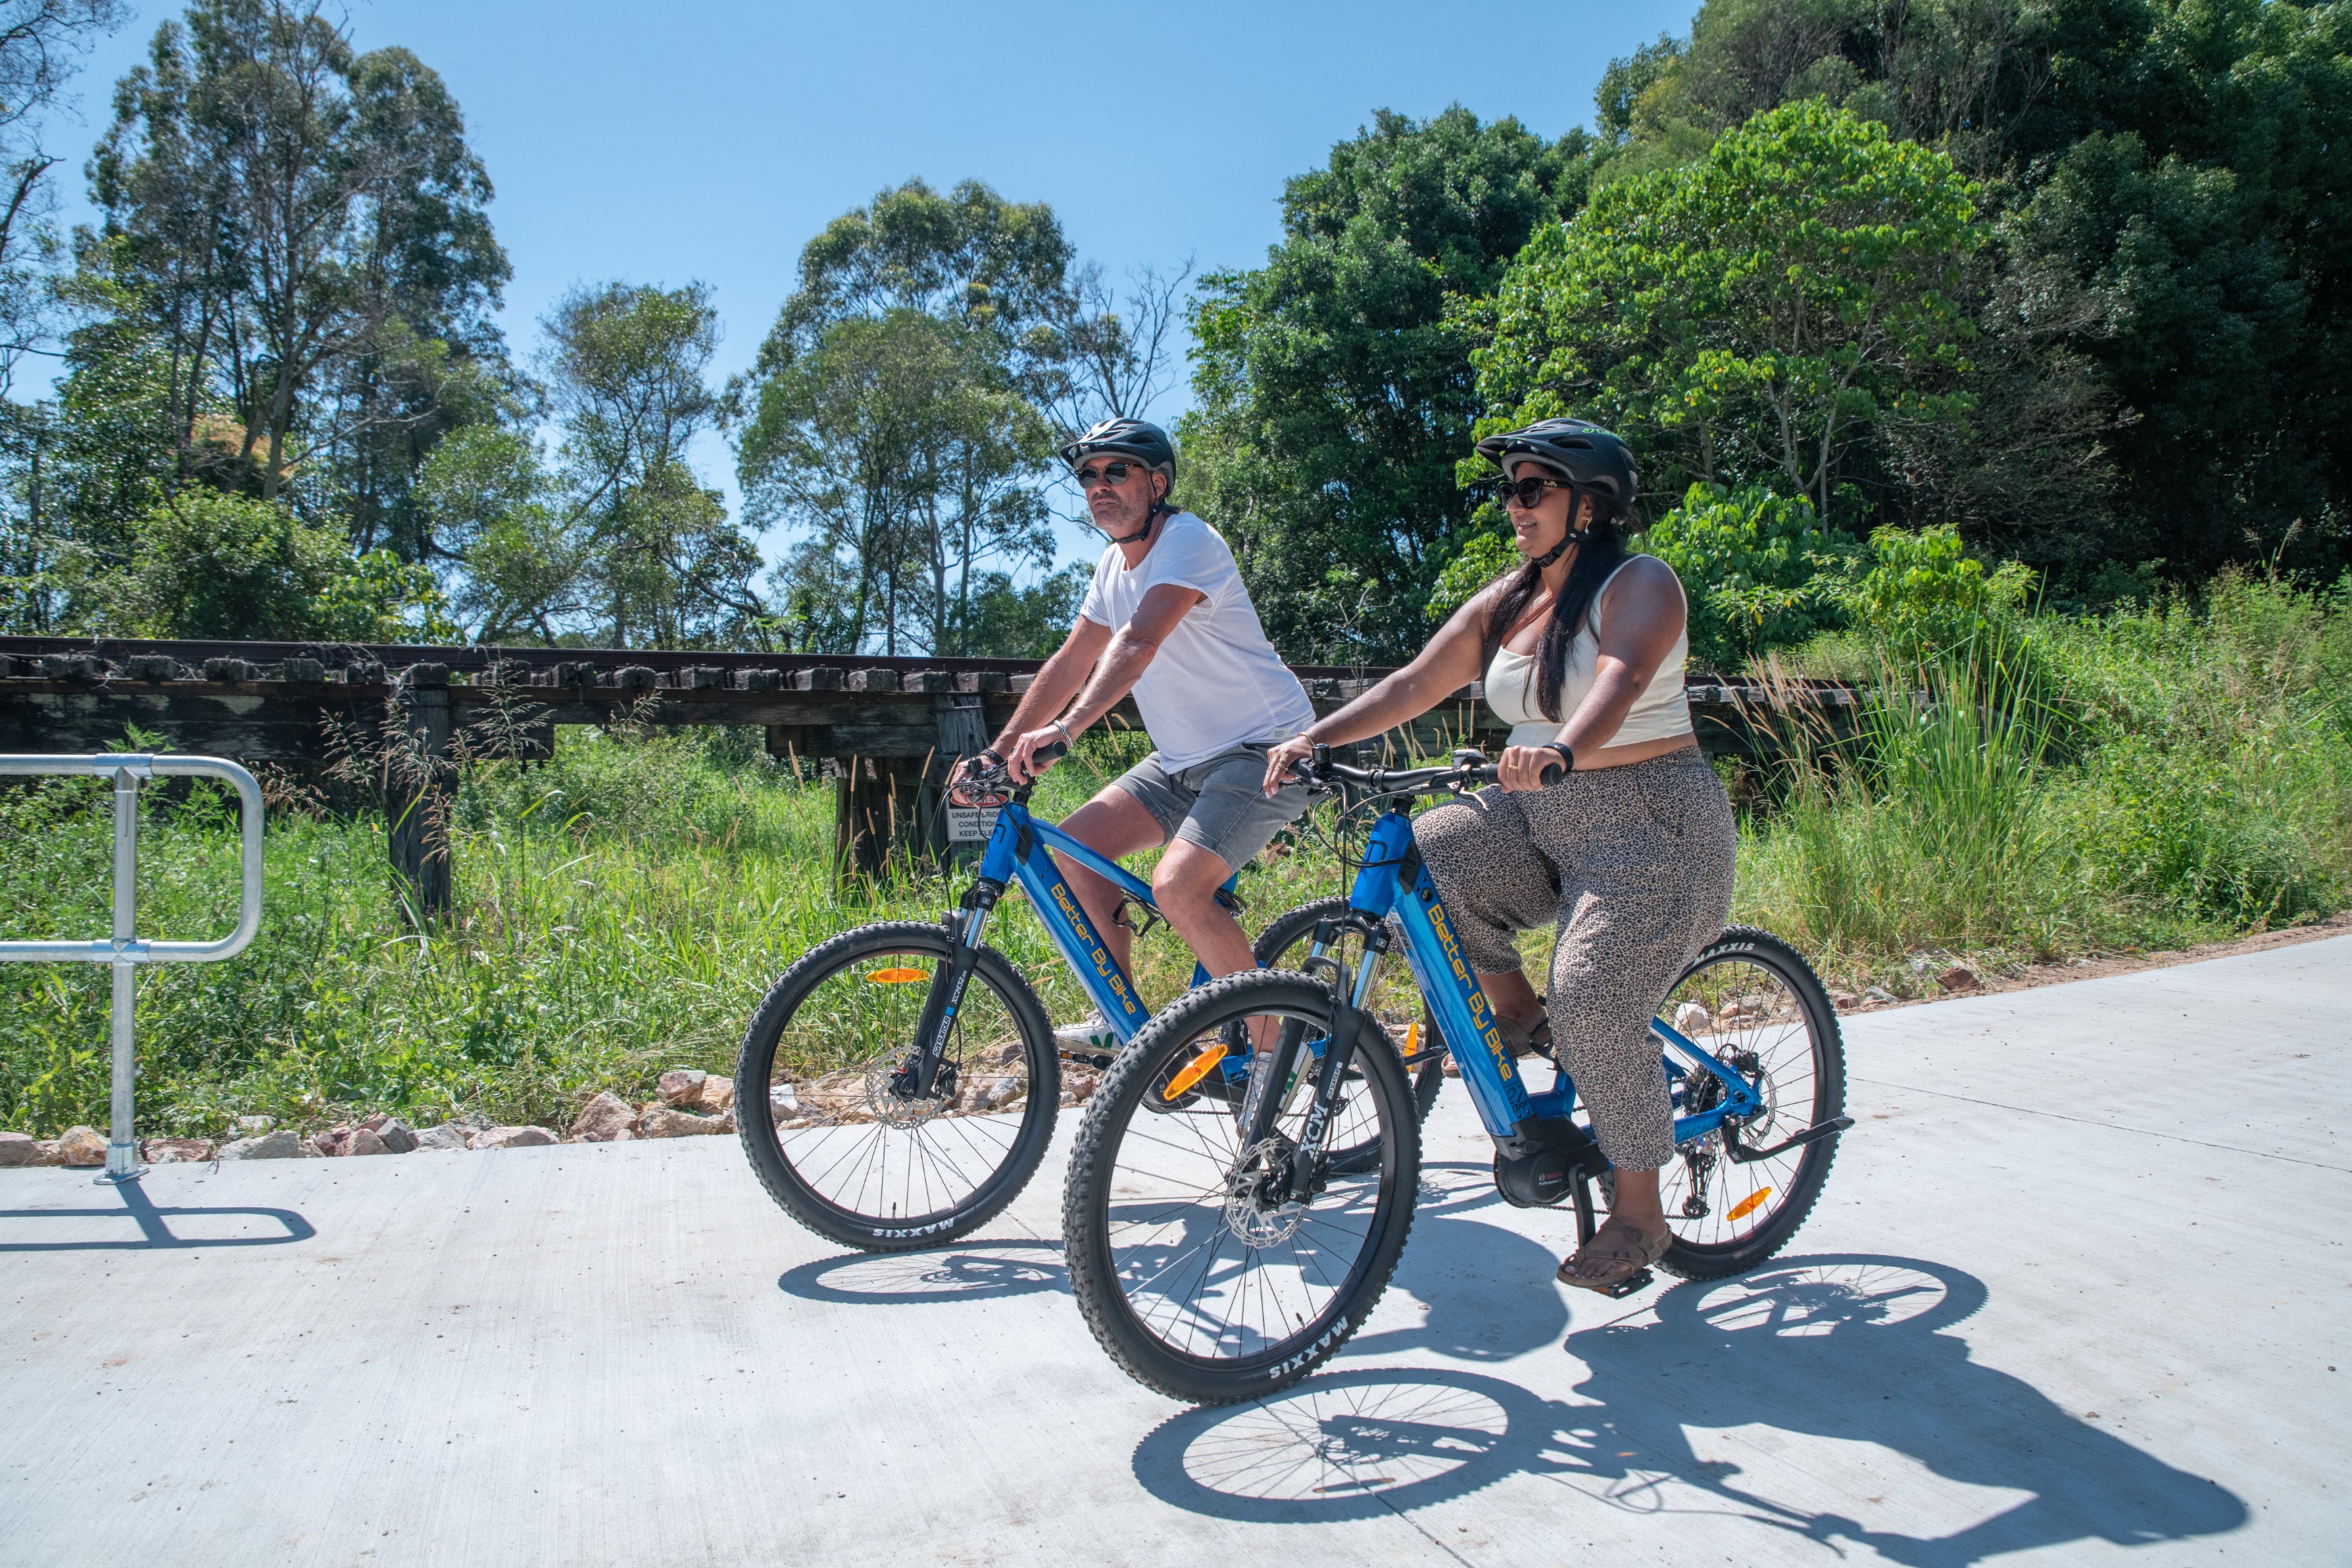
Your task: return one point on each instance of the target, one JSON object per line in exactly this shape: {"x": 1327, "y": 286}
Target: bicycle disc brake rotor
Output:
{"x": 1258, "y": 1209}
{"x": 901, "y": 1111}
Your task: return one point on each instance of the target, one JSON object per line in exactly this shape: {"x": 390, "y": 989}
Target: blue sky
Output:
{"x": 711, "y": 141}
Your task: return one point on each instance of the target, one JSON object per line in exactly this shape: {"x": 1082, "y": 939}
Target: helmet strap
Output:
{"x": 1158, "y": 507}
{"x": 1574, "y": 535}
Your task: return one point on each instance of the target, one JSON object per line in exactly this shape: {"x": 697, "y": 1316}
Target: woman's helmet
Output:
{"x": 1128, "y": 438}
{"x": 1590, "y": 457}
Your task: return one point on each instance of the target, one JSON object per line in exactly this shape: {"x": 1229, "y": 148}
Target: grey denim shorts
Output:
{"x": 1217, "y": 804}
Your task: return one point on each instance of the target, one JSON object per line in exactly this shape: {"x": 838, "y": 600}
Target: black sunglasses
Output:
{"x": 1526, "y": 493}
{"x": 1114, "y": 472}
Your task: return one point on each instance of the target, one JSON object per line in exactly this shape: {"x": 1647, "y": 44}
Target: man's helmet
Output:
{"x": 1128, "y": 438}
{"x": 1587, "y": 454}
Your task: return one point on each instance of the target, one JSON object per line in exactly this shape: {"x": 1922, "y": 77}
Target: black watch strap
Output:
{"x": 1566, "y": 757}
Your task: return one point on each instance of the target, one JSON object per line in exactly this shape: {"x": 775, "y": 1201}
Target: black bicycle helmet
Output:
{"x": 1129, "y": 438}
{"x": 1587, "y": 454}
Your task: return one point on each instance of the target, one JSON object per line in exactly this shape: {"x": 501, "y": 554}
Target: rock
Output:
{"x": 399, "y": 1137}
{"x": 1078, "y": 1085}
{"x": 177, "y": 1150}
{"x": 1878, "y": 994}
{"x": 81, "y": 1146}
{"x": 1842, "y": 1000}
{"x": 662, "y": 1121}
{"x": 513, "y": 1138}
{"x": 607, "y": 1119}
{"x": 523, "y": 1136}
{"x": 1957, "y": 978}
{"x": 448, "y": 1135}
{"x": 22, "y": 1149}
{"x": 784, "y": 1097}
{"x": 283, "y": 1144}
{"x": 679, "y": 1085}
{"x": 1692, "y": 1019}
{"x": 335, "y": 1141}
{"x": 364, "y": 1141}
{"x": 713, "y": 1096}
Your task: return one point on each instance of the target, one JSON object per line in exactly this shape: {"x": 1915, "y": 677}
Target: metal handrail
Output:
{"x": 123, "y": 951}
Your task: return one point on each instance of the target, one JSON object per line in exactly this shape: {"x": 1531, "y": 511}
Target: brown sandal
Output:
{"x": 1621, "y": 1251}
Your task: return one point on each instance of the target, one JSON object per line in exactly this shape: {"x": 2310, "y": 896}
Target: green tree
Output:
{"x": 1759, "y": 569}
{"x": 627, "y": 367}
{"x": 894, "y": 418}
{"x": 289, "y": 220}
{"x": 1334, "y": 391}
{"x": 1757, "y": 316}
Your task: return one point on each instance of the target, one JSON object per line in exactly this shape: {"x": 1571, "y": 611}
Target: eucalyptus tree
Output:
{"x": 288, "y": 220}
{"x": 893, "y": 420}
{"x": 627, "y": 370}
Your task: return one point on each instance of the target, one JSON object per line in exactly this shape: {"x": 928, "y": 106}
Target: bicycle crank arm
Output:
{"x": 1741, "y": 1154}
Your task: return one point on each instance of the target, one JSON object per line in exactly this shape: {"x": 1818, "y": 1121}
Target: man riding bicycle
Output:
{"x": 1166, "y": 617}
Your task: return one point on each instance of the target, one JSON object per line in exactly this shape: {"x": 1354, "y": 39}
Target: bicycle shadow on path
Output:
{"x": 1840, "y": 1346}
{"x": 990, "y": 1270}
{"x": 155, "y": 1232}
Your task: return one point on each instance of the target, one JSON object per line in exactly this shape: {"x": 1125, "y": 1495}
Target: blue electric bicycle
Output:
{"x": 1233, "y": 1212}
{"x": 899, "y": 1084}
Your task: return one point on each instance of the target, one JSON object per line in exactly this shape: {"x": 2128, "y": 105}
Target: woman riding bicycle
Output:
{"x": 1631, "y": 856}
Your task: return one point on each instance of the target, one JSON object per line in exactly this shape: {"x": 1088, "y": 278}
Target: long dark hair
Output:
{"x": 1602, "y": 551}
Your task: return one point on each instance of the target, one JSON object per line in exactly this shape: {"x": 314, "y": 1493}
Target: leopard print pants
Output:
{"x": 1634, "y": 864}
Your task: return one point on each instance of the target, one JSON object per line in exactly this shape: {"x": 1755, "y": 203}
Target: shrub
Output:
{"x": 1761, "y": 570}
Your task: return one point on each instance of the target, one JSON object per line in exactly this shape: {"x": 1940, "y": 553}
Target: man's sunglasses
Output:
{"x": 1526, "y": 493}
{"x": 1114, "y": 472}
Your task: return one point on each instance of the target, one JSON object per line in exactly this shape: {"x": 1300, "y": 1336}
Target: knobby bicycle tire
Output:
{"x": 1690, "y": 1260}
{"x": 1086, "y": 1206}
{"x": 756, "y": 1122}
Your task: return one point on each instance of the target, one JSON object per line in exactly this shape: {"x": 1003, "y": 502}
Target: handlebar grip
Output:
{"x": 1552, "y": 775}
{"x": 1051, "y": 752}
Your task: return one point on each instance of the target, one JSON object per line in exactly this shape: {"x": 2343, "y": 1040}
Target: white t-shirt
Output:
{"x": 1216, "y": 683}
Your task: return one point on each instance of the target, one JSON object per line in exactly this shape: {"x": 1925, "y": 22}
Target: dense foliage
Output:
{"x": 1334, "y": 384}
{"x": 2070, "y": 277}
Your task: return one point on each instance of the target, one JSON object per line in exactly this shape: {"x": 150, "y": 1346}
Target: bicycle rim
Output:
{"x": 1751, "y": 1002}
{"x": 855, "y": 1156}
{"x": 1194, "y": 1273}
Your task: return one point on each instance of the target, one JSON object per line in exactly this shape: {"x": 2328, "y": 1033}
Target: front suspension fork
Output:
{"x": 915, "y": 1081}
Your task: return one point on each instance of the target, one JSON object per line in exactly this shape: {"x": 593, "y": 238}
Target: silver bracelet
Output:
{"x": 1067, "y": 739}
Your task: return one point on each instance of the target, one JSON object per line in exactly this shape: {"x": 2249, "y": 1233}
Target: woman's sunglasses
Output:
{"x": 1114, "y": 472}
{"x": 1526, "y": 493}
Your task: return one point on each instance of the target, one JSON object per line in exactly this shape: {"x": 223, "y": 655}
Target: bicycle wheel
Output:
{"x": 1197, "y": 1280}
{"x": 831, "y": 1139}
{"x": 1283, "y": 945}
{"x": 1754, "y": 1003}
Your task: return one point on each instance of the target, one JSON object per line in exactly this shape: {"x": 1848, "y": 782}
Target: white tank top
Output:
{"x": 1660, "y": 713}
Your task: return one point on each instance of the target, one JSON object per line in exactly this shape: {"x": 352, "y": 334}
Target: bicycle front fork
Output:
{"x": 918, "y": 1078}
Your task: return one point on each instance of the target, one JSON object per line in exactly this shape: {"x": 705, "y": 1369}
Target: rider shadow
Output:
{"x": 969, "y": 1271}
{"x": 1844, "y": 1347}
{"x": 155, "y": 1232}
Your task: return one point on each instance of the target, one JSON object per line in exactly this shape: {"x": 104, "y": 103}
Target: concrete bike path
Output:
{"x": 2074, "y": 1295}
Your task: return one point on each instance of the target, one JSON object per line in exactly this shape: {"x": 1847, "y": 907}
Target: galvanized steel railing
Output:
{"x": 124, "y": 950}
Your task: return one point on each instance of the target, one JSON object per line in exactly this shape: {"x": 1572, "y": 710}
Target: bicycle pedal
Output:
{"x": 1640, "y": 1280}
{"x": 1085, "y": 1058}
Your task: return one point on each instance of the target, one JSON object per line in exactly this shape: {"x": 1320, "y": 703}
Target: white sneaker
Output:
{"x": 1089, "y": 1037}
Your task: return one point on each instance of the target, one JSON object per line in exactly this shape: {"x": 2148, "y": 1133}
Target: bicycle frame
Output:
{"x": 1394, "y": 883}
{"x": 1018, "y": 850}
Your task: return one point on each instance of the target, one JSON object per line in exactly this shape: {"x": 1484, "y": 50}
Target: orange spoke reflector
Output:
{"x": 1194, "y": 1072}
{"x": 898, "y": 976}
{"x": 1413, "y": 1036}
{"x": 1748, "y": 1204}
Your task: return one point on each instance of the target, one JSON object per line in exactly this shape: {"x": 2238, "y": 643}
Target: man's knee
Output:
{"x": 1188, "y": 876}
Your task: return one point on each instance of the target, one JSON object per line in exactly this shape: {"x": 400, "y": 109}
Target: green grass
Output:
{"x": 2151, "y": 778}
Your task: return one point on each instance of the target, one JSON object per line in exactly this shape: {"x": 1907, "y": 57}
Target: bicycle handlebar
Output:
{"x": 1468, "y": 770}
